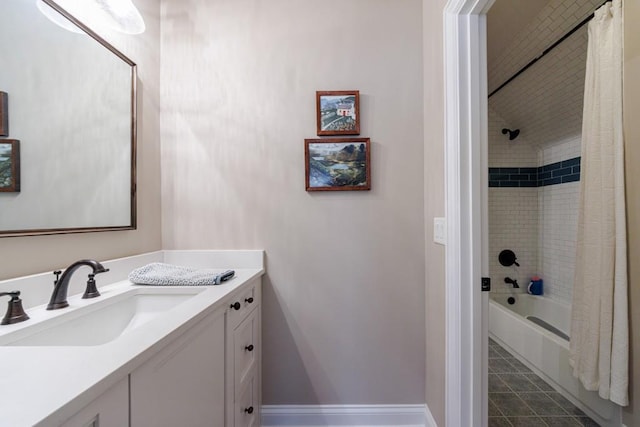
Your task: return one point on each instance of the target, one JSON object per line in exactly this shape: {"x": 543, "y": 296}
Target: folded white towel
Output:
{"x": 160, "y": 274}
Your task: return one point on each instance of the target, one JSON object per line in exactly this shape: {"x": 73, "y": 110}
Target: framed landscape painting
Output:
{"x": 337, "y": 164}
{"x": 338, "y": 112}
{"x": 9, "y": 165}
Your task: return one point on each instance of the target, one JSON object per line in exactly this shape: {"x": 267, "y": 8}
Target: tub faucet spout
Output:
{"x": 511, "y": 281}
{"x": 61, "y": 285}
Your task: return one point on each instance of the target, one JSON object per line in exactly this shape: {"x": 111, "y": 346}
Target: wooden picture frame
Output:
{"x": 9, "y": 166}
{"x": 4, "y": 114}
{"x": 337, "y": 164}
{"x": 338, "y": 112}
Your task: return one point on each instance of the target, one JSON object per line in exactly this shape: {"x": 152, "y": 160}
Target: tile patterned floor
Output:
{"x": 519, "y": 398}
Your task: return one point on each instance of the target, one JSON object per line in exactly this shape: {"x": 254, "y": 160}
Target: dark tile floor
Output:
{"x": 519, "y": 398}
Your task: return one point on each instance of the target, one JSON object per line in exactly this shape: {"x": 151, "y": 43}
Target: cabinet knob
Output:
{"x": 249, "y": 347}
{"x": 236, "y": 306}
{"x": 248, "y": 300}
{"x": 249, "y": 410}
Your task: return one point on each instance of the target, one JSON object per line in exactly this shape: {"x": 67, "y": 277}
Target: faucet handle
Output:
{"x": 57, "y": 274}
{"x": 91, "y": 291}
{"x": 15, "y": 312}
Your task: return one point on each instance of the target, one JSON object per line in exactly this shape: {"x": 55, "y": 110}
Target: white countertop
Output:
{"x": 47, "y": 385}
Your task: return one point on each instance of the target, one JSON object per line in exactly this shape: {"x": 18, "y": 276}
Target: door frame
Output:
{"x": 466, "y": 192}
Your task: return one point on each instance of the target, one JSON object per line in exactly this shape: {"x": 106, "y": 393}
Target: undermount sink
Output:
{"x": 104, "y": 320}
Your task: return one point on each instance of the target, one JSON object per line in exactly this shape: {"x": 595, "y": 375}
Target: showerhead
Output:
{"x": 513, "y": 134}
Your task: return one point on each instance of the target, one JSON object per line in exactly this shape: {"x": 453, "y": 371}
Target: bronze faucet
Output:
{"x": 511, "y": 281}
{"x": 61, "y": 285}
{"x": 15, "y": 312}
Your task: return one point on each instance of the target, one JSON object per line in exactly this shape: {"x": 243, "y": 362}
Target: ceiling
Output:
{"x": 544, "y": 102}
{"x": 504, "y": 20}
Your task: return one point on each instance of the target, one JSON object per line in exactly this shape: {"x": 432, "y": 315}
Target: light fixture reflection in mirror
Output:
{"x": 118, "y": 15}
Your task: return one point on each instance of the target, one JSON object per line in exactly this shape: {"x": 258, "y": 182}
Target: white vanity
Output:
{"x": 137, "y": 355}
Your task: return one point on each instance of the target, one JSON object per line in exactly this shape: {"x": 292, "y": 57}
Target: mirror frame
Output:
{"x": 134, "y": 138}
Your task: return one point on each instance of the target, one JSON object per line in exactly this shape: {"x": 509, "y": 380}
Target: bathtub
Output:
{"x": 542, "y": 347}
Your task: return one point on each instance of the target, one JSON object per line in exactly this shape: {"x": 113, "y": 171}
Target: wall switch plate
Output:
{"x": 440, "y": 230}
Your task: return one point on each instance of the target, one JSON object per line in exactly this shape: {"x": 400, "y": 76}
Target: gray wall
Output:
{"x": 27, "y": 255}
{"x": 344, "y": 318}
{"x": 434, "y": 206}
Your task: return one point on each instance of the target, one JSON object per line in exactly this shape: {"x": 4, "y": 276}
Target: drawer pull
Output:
{"x": 248, "y": 300}
{"x": 249, "y": 410}
{"x": 236, "y": 306}
{"x": 249, "y": 347}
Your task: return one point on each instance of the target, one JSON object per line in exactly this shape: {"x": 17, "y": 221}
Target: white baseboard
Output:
{"x": 429, "y": 421}
{"x": 347, "y": 415}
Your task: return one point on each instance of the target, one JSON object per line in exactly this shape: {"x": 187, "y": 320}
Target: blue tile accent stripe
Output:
{"x": 551, "y": 174}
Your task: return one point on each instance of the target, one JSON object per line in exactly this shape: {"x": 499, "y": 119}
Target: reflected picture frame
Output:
{"x": 338, "y": 112}
{"x": 9, "y": 166}
{"x": 337, "y": 164}
{"x": 4, "y": 114}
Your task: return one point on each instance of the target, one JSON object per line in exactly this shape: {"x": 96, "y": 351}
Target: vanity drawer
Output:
{"x": 247, "y": 407}
{"x": 245, "y": 349}
{"x": 242, "y": 304}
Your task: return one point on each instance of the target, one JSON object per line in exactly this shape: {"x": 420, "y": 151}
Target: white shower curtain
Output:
{"x": 599, "y": 321}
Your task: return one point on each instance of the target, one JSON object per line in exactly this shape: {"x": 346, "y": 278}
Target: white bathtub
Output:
{"x": 546, "y": 353}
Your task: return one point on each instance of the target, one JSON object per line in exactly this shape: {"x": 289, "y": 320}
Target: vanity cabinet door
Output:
{"x": 245, "y": 349}
{"x": 247, "y": 405}
{"x": 111, "y": 409}
{"x": 183, "y": 385}
{"x": 246, "y": 364}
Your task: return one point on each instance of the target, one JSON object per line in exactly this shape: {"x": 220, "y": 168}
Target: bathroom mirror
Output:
{"x": 71, "y": 105}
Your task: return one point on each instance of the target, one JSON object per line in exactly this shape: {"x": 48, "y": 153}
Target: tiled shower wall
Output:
{"x": 513, "y": 212}
{"x": 558, "y": 216}
{"x": 538, "y": 224}
{"x": 513, "y": 224}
